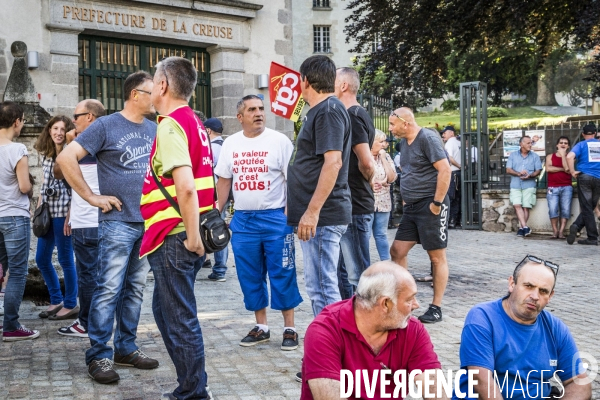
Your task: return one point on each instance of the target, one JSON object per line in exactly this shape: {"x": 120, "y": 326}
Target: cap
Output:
{"x": 589, "y": 129}
{"x": 448, "y": 128}
{"x": 214, "y": 125}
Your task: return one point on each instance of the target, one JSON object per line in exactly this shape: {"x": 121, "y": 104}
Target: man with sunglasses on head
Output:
{"x": 424, "y": 187}
{"x": 84, "y": 220}
{"x": 121, "y": 143}
{"x": 514, "y": 346}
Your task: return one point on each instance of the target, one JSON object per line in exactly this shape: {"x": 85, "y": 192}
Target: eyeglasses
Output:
{"x": 143, "y": 91}
{"x": 75, "y": 116}
{"x": 549, "y": 264}
{"x": 23, "y": 120}
{"x": 399, "y": 117}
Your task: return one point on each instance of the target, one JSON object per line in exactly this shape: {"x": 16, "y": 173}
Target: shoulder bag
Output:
{"x": 214, "y": 232}
{"x": 41, "y": 220}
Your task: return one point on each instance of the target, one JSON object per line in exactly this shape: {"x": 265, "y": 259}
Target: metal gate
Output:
{"x": 474, "y": 151}
{"x": 105, "y": 63}
{"x": 379, "y": 110}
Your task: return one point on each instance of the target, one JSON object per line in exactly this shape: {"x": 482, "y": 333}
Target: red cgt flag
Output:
{"x": 284, "y": 90}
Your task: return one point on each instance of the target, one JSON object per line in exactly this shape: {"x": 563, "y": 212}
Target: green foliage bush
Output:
{"x": 496, "y": 112}
{"x": 450, "y": 104}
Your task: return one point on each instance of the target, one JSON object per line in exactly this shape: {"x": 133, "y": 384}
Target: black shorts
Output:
{"x": 419, "y": 224}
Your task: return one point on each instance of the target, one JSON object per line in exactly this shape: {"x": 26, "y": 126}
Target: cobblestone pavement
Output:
{"x": 53, "y": 366}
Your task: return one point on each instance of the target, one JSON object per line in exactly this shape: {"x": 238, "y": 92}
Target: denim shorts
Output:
{"x": 559, "y": 201}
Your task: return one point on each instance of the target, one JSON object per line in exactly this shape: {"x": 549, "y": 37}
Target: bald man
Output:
{"x": 516, "y": 340}
{"x": 374, "y": 330}
{"x": 425, "y": 178}
{"x": 83, "y": 221}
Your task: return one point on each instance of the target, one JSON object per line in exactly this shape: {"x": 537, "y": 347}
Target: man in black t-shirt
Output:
{"x": 355, "y": 256}
{"x": 318, "y": 193}
{"x": 424, "y": 187}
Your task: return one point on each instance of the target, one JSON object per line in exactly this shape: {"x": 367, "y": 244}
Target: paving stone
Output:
{"x": 53, "y": 366}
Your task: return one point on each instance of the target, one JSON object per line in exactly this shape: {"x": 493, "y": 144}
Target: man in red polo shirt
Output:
{"x": 374, "y": 330}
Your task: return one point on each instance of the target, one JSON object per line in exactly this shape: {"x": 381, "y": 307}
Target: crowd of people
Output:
{"x": 125, "y": 193}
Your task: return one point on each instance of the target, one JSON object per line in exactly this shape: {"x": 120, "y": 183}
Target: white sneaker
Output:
{"x": 75, "y": 330}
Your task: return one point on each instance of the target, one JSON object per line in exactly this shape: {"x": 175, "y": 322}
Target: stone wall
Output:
{"x": 499, "y": 215}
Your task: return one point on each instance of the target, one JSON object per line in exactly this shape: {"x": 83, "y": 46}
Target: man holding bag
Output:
{"x": 182, "y": 161}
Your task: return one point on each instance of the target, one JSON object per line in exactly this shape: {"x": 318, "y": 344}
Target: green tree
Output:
{"x": 413, "y": 38}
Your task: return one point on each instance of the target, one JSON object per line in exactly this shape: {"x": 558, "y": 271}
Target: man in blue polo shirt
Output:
{"x": 524, "y": 166}
{"x": 587, "y": 173}
{"x": 513, "y": 346}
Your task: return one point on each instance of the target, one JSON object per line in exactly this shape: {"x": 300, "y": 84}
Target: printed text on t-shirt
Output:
{"x": 250, "y": 167}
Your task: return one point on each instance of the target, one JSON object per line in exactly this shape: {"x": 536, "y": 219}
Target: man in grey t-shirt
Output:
{"x": 424, "y": 186}
{"x": 121, "y": 143}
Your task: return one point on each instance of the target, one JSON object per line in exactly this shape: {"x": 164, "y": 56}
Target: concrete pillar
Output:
{"x": 64, "y": 66}
{"x": 227, "y": 84}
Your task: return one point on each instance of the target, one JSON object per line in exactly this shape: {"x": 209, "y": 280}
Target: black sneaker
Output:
{"x": 255, "y": 336}
{"x": 216, "y": 278}
{"x": 588, "y": 241}
{"x": 572, "y": 234}
{"x": 290, "y": 340}
{"x": 299, "y": 377}
{"x": 102, "y": 371}
{"x": 433, "y": 315}
{"x": 207, "y": 263}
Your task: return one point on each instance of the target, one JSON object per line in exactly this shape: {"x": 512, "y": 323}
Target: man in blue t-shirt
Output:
{"x": 514, "y": 347}
{"x": 524, "y": 166}
{"x": 587, "y": 173}
{"x": 121, "y": 143}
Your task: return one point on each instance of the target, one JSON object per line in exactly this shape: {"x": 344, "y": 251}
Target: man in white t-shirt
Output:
{"x": 452, "y": 147}
{"x": 84, "y": 221}
{"x": 253, "y": 162}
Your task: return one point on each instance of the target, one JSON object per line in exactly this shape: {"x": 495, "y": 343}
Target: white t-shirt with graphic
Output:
{"x": 258, "y": 169}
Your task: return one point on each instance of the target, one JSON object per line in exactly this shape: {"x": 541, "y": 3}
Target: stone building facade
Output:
{"x": 86, "y": 48}
{"x": 318, "y": 28}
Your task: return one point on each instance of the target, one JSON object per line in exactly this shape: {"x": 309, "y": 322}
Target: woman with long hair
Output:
{"x": 385, "y": 174}
{"x": 560, "y": 187}
{"x": 57, "y": 194}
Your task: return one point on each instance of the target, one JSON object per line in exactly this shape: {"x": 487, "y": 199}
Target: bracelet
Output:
{"x": 437, "y": 203}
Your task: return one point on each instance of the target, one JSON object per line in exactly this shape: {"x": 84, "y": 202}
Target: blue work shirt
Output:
{"x": 526, "y": 355}
{"x": 531, "y": 163}
{"x": 587, "y": 154}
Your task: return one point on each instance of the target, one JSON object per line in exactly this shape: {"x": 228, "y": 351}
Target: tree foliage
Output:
{"x": 506, "y": 43}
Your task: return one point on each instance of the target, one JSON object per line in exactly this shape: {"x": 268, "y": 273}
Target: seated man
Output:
{"x": 374, "y": 330}
{"x": 521, "y": 343}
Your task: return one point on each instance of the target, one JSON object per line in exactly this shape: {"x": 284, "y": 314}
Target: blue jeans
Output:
{"x": 379, "y": 228}
{"x": 321, "y": 255}
{"x": 85, "y": 244}
{"x": 262, "y": 243}
{"x": 14, "y": 252}
{"x": 220, "y": 266}
{"x": 43, "y": 259}
{"x": 355, "y": 246}
{"x": 559, "y": 201}
{"x": 119, "y": 294}
{"x": 175, "y": 313}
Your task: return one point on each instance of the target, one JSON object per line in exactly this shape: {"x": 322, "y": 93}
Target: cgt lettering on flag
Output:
{"x": 285, "y": 93}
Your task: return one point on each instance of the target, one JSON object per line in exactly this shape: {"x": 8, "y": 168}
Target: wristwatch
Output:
{"x": 437, "y": 203}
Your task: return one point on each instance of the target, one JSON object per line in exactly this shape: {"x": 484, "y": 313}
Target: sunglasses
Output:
{"x": 549, "y": 264}
{"x": 75, "y": 116}
{"x": 144, "y": 91}
{"x": 397, "y": 116}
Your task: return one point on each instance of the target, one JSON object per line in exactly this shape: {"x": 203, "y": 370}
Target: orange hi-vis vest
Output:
{"x": 160, "y": 218}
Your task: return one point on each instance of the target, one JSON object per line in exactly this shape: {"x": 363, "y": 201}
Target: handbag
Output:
{"x": 41, "y": 220}
{"x": 214, "y": 232}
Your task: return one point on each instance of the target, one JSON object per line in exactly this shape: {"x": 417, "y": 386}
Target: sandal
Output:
{"x": 427, "y": 278}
